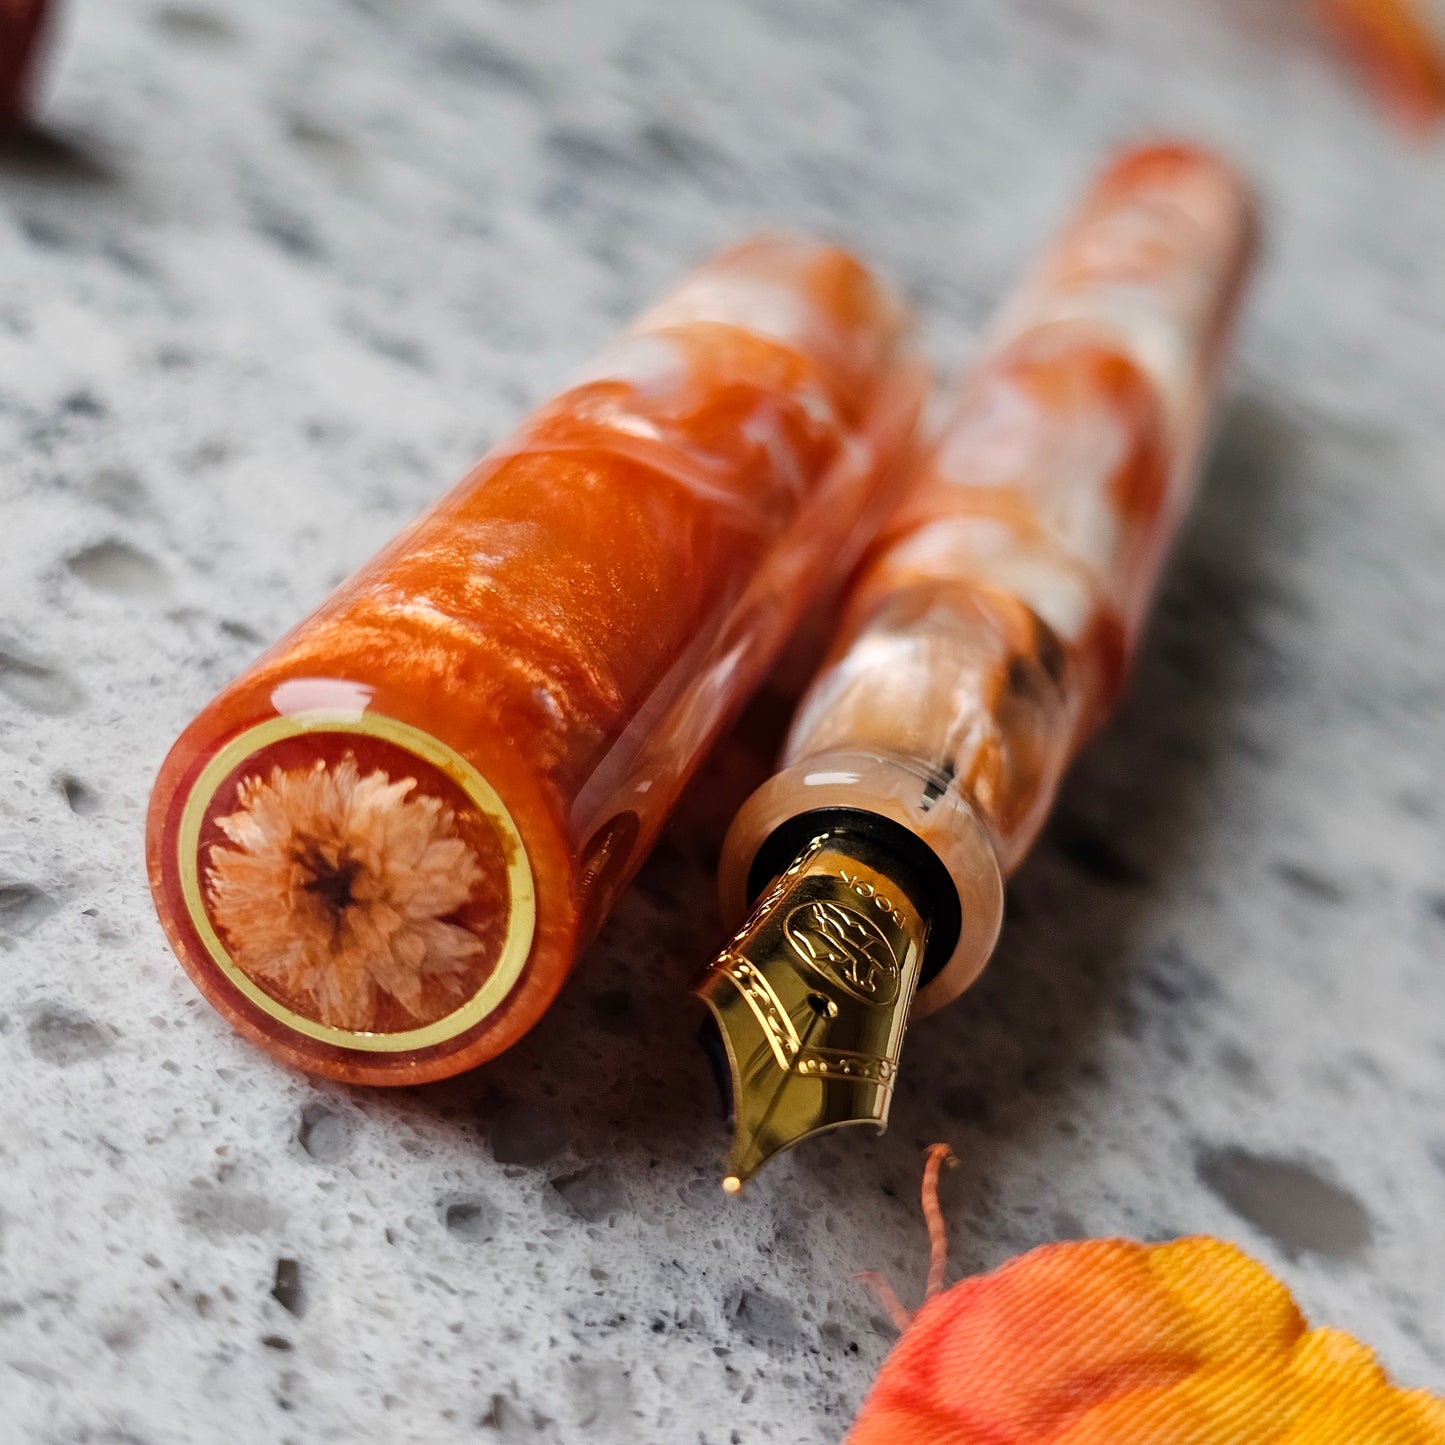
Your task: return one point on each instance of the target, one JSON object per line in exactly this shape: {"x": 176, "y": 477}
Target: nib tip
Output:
{"x": 732, "y": 1185}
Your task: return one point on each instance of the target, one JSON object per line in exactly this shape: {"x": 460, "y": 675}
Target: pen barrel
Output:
{"x": 1399, "y": 48}
{"x": 380, "y": 849}
{"x": 988, "y": 630}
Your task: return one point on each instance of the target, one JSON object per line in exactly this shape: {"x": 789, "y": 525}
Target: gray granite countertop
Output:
{"x": 273, "y": 276}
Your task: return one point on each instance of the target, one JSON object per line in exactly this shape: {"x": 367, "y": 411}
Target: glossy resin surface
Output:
{"x": 988, "y": 632}
{"x": 308, "y": 261}
{"x": 379, "y": 850}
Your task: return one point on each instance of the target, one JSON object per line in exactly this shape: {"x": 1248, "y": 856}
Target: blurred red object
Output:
{"x": 1401, "y": 52}
{"x": 21, "y": 25}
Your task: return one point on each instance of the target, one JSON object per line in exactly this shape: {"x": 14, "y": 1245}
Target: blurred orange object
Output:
{"x": 1400, "y": 51}
{"x": 1108, "y": 1342}
{"x": 21, "y": 24}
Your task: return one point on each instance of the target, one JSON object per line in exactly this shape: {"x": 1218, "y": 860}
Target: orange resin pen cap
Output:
{"x": 983, "y": 639}
{"x": 379, "y": 851}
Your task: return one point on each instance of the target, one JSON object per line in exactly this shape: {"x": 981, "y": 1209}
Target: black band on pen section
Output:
{"x": 915, "y": 867}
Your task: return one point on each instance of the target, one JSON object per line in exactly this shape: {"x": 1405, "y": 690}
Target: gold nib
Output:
{"x": 811, "y": 998}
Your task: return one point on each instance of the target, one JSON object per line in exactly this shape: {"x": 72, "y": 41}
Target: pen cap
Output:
{"x": 989, "y": 627}
{"x": 379, "y": 850}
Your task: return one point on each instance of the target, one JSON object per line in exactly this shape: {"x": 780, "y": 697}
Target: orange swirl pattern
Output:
{"x": 574, "y": 623}
{"x": 1003, "y": 601}
{"x": 1400, "y": 52}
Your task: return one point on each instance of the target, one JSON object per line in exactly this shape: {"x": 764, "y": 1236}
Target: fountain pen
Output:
{"x": 984, "y": 637}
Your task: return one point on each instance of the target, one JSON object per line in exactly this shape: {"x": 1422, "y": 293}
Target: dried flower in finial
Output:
{"x": 339, "y": 888}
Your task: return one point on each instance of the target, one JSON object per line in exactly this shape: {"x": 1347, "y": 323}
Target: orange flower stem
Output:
{"x": 887, "y": 1297}
{"x": 938, "y": 1156}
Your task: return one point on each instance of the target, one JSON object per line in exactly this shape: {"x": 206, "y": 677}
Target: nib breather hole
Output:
{"x": 823, "y": 1006}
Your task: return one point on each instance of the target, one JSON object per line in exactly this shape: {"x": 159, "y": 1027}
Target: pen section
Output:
{"x": 379, "y": 851}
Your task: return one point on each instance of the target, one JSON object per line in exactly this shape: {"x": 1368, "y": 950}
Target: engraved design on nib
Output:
{"x": 788, "y": 1045}
{"x": 340, "y": 887}
{"x": 844, "y": 1064}
{"x": 811, "y": 999}
{"x": 846, "y": 948}
{"x": 768, "y": 1009}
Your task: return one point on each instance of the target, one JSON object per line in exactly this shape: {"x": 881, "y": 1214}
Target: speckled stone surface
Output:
{"x": 276, "y": 273}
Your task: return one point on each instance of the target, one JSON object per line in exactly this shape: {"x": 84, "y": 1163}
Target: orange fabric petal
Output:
{"x": 1235, "y": 1305}
{"x": 1022, "y": 1351}
{"x": 914, "y": 1422}
{"x": 1223, "y": 1402}
{"x": 1112, "y": 1343}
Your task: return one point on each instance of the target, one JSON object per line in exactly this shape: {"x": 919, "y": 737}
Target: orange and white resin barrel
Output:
{"x": 988, "y": 631}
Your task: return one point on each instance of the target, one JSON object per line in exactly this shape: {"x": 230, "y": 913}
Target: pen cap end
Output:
{"x": 348, "y": 889}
